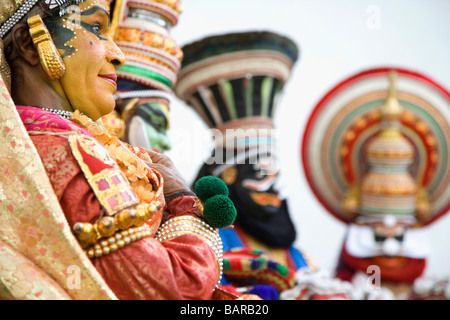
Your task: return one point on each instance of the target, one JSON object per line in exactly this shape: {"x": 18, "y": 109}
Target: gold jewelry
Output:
{"x": 147, "y": 184}
{"x": 180, "y": 225}
{"x": 89, "y": 234}
{"x": 149, "y": 39}
{"x": 118, "y": 240}
{"x": 49, "y": 56}
{"x": 114, "y": 122}
{"x": 131, "y": 160}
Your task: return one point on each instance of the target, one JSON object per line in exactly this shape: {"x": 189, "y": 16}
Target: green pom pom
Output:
{"x": 219, "y": 211}
{"x": 209, "y": 186}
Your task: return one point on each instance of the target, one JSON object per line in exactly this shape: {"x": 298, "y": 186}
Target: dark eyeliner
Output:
{"x": 90, "y": 28}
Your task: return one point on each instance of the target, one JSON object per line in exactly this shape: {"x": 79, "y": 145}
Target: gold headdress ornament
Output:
{"x": 49, "y": 56}
{"x": 387, "y": 187}
{"x": 14, "y": 11}
{"x": 388, "y": 151}
{"x": 391, "y": 110}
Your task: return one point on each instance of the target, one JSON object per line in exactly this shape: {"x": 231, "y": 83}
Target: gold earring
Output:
{"x": 49, "y": 56}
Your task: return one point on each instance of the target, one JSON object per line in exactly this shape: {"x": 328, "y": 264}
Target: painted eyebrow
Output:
{"x": 93, "y": 10}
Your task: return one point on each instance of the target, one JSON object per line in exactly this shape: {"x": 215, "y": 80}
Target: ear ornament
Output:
{"x": 49, "y": 56}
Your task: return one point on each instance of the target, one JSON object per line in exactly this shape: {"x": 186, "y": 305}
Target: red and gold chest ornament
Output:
{"x": 130, "y": 192}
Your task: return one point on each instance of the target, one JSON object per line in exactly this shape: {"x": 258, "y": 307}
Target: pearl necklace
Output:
{"x": 62, "y": 113}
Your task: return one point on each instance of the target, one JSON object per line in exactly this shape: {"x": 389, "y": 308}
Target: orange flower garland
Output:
{"x": 146, "y": 182}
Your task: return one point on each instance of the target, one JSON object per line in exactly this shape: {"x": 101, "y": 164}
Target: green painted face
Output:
{"x": 156, "y": 118}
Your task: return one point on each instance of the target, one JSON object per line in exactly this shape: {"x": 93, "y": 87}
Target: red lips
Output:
{"x": 111, "y": 78}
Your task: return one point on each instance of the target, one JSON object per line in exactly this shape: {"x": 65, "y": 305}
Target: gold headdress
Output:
{"x": 388, "y": 186}
{"x": 14, "y": 11}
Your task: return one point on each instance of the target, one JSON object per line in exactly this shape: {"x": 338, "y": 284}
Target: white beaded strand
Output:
{"x": 16, "y": 17}
{"x": 28, "y": 5}
{"x": 62, "y": 113}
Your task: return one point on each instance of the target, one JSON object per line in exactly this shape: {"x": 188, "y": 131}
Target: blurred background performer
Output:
{"x": 144, "y": 88}
{"x": 233, "y": 81}
{"x": 375, "y": 153}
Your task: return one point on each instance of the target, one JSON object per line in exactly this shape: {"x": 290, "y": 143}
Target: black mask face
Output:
{"x": 260, "y": 211}
{"x": 254, "y": 185}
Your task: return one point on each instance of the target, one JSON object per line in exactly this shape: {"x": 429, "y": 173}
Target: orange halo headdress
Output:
{"x": 358, "y": 126}
{"x": 375, "y": 153}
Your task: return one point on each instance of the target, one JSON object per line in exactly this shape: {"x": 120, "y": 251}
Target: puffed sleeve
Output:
{"x": 180, "y": 267}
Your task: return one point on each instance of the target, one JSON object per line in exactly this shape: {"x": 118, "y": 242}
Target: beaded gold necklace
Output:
{"x": 131, "y": 159}
{"x": 146, "y": 182}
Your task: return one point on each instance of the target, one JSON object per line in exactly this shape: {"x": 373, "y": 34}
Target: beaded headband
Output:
{"x": 13, "y": 13}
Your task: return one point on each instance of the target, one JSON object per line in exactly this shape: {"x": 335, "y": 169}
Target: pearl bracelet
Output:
{"x": 192, "y": 225}
{"x": 118, "y": 240}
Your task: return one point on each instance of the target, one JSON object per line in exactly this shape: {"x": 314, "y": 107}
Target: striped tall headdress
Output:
{"x": 234, "y": 80}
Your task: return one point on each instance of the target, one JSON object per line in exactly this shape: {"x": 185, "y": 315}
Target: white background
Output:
{"x": 337, "y": 38}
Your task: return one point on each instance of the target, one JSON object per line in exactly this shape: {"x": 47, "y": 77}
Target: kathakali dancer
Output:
{"x": 84, "y": 215}
{"x": 376, "y": 154}
{"x": 233, "y": 81}
{"x": 141, "y": 29}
